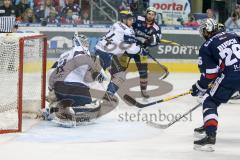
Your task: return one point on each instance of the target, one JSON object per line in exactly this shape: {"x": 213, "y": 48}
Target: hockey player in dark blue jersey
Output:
{"x": 148, "y": 34}
{"x": 219, "y": 64}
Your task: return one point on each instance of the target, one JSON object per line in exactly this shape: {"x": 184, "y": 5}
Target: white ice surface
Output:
{"x": 110, "y": 139}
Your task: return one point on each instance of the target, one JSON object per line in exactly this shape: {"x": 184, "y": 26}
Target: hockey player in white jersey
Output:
{"x": 69, "y": 85}
{"x": 119, "y": 39}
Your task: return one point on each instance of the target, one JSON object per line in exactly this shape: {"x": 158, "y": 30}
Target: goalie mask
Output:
{"x": 207, "y": 28}
{"x": 80, "y": 40}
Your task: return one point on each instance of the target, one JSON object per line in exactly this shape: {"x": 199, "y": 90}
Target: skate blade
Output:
{"x": 205, "y": 148}
{"x": 198, "y": 135}
{"x": 64, "y": 123}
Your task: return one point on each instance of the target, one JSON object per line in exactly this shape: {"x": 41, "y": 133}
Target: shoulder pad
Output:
{"x": 206, "y": 44}
{"x": 119, "y": 25}
{"x": 129, "y": 31}
{"x": 156, "y": 27}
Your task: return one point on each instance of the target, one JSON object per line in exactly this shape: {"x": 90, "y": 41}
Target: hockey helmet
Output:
{"x": 126, "y": 14}
{"x": 151, "y": 9}
{"x": 207, "y": 27}
{"x": 80, "y": 40}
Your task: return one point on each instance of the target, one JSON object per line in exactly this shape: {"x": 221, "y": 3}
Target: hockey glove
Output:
{"x": 100, "y": 78}
{"x": 144, "y": 52}
{"x": 197, "y": 90}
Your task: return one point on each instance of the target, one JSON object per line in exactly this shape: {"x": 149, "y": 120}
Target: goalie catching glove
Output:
{"x": 100, "y": 76}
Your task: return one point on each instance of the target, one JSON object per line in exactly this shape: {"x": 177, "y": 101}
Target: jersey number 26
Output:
{"x": 229, "y": 52}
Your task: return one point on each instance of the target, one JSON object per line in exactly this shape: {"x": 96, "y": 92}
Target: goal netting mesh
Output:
{"x": 22, "y": 77}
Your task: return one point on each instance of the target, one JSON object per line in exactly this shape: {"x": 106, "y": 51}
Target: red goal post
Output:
{"x": 23, "y": 58}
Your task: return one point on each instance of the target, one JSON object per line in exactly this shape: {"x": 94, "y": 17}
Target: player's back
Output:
{"x": 114, "y": 41}
{"x": 224, "y": 49}
{"x": 71, "y": 67}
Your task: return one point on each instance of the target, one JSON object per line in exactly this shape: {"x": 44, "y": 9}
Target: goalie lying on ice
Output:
{"x": 69, "y": 85}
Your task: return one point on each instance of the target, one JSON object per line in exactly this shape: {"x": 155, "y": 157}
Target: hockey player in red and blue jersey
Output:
{"x": 219, "y": 64}
{"x": 148, "y": 34}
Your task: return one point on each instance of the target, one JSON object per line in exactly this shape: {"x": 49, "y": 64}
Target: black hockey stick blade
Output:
{"x": 166, "y": 73}
{"x": 130, "y": 99}
{"x": 133, "y": 101}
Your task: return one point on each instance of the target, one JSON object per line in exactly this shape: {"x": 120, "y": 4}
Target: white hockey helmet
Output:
{"x": 207, "y": 27}
{"x": 151, "y": 9}
{"x": 80, "y": 40}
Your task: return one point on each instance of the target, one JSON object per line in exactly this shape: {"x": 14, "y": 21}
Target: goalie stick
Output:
{"x": 140, "y": 105}
{"x": 165, "y": 126}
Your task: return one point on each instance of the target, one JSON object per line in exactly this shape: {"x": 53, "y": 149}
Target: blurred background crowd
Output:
{"x": 106, "y": 11}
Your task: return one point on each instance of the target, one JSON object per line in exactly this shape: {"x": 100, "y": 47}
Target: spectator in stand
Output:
{"x": 53, "y": 17}
{"x": 28, "y": 16}
{"x": 7, "y": 9}
{"x": 210, "y": 14}
{"x": 44, "y": 11}
{"x": 38, "y": 3}
{"x": 233, "y": 21}
{"x": 71, "y": 13}
{"x": 70, "y": 18}
{"x": 237, "y": 10}
{"x": 29, "y": 2}
{"x": 22, "y": 6}
{"x": 191, "y": 21}
{"x": 85, "y": 17}
{"x": 134, "y": 7}
{"x": 145, "y": 4}
{"x": 130, "y": 5}
{"x": 38, "y": 6}
{"x": 47, "y": 7}
{"x": 124, "y": 5}
{"x": 59, "y": 5}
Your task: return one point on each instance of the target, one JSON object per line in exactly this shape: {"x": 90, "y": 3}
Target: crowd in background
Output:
{"x": 48, "y": 11}
{"x": 70, "y": 12}
{"x": 234, "y": 20}
{"x": 58, "y": 11}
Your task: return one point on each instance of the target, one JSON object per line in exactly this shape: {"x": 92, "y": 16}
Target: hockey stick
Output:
{"x": 165, "y": 126}
{"x": 169, "y": 42}
{"x": 140, "y": 105}
{"x": 161, "y": 66}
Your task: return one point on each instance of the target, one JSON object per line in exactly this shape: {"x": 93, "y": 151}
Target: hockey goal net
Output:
{"x": 22, "y": 77}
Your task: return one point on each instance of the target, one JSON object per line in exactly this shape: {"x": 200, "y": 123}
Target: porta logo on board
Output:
{"x": 168, "y": 6}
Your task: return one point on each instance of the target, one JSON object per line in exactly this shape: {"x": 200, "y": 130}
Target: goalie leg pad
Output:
{"x": 64, "y": 116}
{"x": 77, "y": 92}
{"x": 100, "y": 109}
